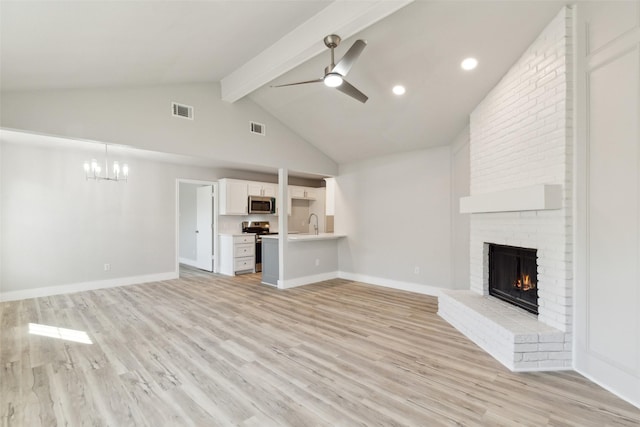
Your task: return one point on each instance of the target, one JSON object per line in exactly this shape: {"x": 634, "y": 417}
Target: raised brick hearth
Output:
{"x": 513, "y": 336}
{"x": 521, "y": 137}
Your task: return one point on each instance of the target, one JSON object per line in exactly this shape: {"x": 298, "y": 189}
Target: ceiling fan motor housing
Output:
{"x": 332, "y": 40}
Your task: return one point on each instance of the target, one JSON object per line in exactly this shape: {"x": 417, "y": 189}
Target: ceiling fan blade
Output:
{"x": 349, "y": 58}
{"x": 300, "y": 83}
{"x": 350, "y": 90}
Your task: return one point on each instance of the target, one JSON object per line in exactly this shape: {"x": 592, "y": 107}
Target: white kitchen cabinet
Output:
{"x": 234, "y": 194}
{"x": 233, "y": 197}
{"x": 301, "y": 193}
{"x": 296, "y": 192}
{"x": 262, "y": 189}
{"x": 305, "y": 193}
{"x": 310, "y": 193}
{"x": 237, "y": 254}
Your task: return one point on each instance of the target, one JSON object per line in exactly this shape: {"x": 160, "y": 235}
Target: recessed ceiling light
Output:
{"x": 469, "y": 64}
{"x": 399, "y": 90}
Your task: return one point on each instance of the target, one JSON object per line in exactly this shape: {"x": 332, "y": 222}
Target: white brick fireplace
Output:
{"x": 521, "y": 195}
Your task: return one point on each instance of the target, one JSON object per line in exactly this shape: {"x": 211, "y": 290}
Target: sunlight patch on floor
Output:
{"x": 60, "y": 333}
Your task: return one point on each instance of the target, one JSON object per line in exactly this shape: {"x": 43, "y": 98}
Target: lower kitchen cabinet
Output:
{"x": 237, "y": 254}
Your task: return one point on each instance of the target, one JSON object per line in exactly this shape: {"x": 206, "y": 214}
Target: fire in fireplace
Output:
{"x": 513, "y": 275}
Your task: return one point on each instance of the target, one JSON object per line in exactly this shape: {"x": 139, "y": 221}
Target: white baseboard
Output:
{"x": 306, "y": 280}
{"x": 85, "y": 286}
{"x": 189, "y": 262}
{"x": 626, "y": 393}
{"x": 394, "y": 284}
{"x": 291, "y": 283}
{"x": 370, "y": 280}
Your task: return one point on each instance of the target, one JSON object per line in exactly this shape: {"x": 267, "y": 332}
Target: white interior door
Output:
{"x": 204, "y": 232}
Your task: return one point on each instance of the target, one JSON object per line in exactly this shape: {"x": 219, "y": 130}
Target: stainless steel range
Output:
{"x": 260, "y": 228}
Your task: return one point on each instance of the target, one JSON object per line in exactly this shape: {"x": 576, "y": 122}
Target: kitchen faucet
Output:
{"x": 315, "y": 227}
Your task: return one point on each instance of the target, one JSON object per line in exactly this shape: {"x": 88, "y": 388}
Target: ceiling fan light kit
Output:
{"x": 334, "y": 74}
{"x": 332, "y": 80}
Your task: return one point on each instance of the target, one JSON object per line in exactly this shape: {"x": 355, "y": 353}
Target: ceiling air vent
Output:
{"x": 257, "y": 128}
{"x": 181, "y": 110}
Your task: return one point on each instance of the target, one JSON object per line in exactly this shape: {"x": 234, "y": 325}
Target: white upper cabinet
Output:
{"x": 301, "y": 193}
{"x": 262, "y": 189}
{"x": 306, "y": 193}
{"x": 234, "y": 194}
{"x": 233, "y": 197}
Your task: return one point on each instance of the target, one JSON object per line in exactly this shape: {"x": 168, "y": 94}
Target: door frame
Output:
{"x": 216, "y": 244}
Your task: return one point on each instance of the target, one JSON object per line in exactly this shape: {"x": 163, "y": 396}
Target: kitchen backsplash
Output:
{"x": 299, "y": 219}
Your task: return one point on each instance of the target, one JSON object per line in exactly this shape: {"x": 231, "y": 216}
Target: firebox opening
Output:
{"x": 513, "y": 275}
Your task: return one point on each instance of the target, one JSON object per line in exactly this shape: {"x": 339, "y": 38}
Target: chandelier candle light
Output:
{"x": 92, "y": 170}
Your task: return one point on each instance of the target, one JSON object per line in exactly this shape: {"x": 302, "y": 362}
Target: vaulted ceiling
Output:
{"x": 249, "y": 46}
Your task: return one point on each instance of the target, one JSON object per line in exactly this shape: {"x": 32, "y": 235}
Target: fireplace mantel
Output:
{"x": 532, "y": 198}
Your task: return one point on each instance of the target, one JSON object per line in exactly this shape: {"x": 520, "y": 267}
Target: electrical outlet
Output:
{"x": 107, "y": 267}
{"x": 416, "y": 270}
{"x": 317, "y": 262}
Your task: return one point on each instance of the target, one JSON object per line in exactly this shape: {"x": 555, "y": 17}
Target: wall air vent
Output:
{"x": 181, "y": 110}
{"x": 257, "y": 128}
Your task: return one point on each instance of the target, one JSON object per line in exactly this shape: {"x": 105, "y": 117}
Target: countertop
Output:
{"x": 304, "y": 237}
{"x": 237, "y": 234}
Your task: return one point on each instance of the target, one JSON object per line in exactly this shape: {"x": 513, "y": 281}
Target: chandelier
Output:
{"x": 92, "y": 170}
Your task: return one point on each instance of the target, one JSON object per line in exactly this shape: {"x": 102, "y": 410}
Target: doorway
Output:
{"x": 197, "y": 225}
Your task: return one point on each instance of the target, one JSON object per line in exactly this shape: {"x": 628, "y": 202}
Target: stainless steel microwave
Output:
{"x": 262, "y": 205}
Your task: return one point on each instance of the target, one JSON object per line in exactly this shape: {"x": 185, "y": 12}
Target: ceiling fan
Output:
{"x": 334, "y": 74}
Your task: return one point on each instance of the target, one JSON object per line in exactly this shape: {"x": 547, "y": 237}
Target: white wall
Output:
{"x": 59, "y": 229}
{"x": 607, "y": 286}
{"x": 141, "y": 117}
{"x": 460, "y": 166}
{"x": 396, "y": 211}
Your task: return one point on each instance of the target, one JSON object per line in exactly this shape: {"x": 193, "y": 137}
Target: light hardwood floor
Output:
{"x": 208, "y": 350}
